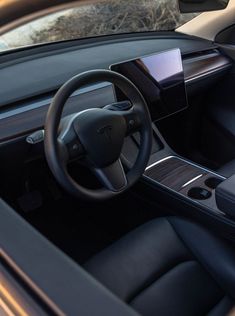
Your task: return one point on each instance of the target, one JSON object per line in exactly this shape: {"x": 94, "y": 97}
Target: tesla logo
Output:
{"x": 106, "y": 131}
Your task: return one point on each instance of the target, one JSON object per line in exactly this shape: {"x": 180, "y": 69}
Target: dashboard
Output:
{"x": 29, "y": 79}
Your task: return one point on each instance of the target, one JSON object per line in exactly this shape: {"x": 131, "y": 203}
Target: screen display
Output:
{"x": 160, "y": 78}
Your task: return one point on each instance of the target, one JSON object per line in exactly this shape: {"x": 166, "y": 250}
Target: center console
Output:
{"x": 178, "y": 181}
{"x": 187, "y": 179}
{"x": 184, "y": 185}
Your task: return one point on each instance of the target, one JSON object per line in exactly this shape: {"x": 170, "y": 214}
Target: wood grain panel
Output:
{"x": 174, "y": 173}
{"x": 34, "y": 119}
{"x": 196, "y": 67}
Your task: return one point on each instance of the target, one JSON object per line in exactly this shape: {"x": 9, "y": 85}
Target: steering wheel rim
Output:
{"x": 54, "y": 145}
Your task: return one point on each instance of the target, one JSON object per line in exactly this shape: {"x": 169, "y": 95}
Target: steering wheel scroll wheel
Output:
{"x": 97, "y": 136}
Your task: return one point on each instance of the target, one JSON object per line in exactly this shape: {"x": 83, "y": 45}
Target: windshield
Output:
{"x": 95, "y": 18}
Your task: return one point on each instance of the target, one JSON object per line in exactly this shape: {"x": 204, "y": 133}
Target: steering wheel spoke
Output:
{"x": 129, "y": 113}
{"x": 71, "y": 147}
{"x": 113, "y": 177}
{"x": 133, "y": 121}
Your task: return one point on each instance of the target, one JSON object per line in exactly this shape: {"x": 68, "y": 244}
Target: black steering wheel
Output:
{"x": 97, "y": 136}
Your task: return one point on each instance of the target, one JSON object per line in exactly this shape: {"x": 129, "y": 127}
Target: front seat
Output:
{"x": 169, "y": 266}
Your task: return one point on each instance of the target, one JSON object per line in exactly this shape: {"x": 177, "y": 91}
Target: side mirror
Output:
{"x": 191, "y": 6}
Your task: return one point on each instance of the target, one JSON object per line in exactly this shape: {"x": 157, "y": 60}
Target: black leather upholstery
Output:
{"x": 228, "y": 169}
{"x": 169, "y": 267}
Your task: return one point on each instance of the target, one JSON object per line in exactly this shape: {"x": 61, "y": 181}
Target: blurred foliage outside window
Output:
{"x": 99, "y": 17}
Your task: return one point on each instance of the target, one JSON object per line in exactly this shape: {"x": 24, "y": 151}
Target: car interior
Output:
{"x": 119, "y": 155}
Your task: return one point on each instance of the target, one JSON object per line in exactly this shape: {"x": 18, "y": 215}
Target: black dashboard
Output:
{"x": 30, "y": 78}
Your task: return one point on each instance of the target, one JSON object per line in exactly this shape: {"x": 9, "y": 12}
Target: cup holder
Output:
{"x": 198, "y": 193}
{"x": 213, "y": 182}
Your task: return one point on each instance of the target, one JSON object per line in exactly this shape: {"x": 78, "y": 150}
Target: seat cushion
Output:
{"x": 228, "y": 169}
{"x": 160, "y": 270}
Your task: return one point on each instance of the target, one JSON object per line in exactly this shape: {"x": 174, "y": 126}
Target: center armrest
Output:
{"x": 225, "y": 196}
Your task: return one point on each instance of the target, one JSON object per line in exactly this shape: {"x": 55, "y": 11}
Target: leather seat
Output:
{"x": 169, "y": 266}
{"x": 228, "y": 169}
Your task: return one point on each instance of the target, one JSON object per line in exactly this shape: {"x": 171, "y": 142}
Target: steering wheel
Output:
{"x": 97, "y": 136}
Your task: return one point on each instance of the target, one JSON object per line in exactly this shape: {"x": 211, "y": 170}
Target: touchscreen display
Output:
{"x": 160, "y": 78}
